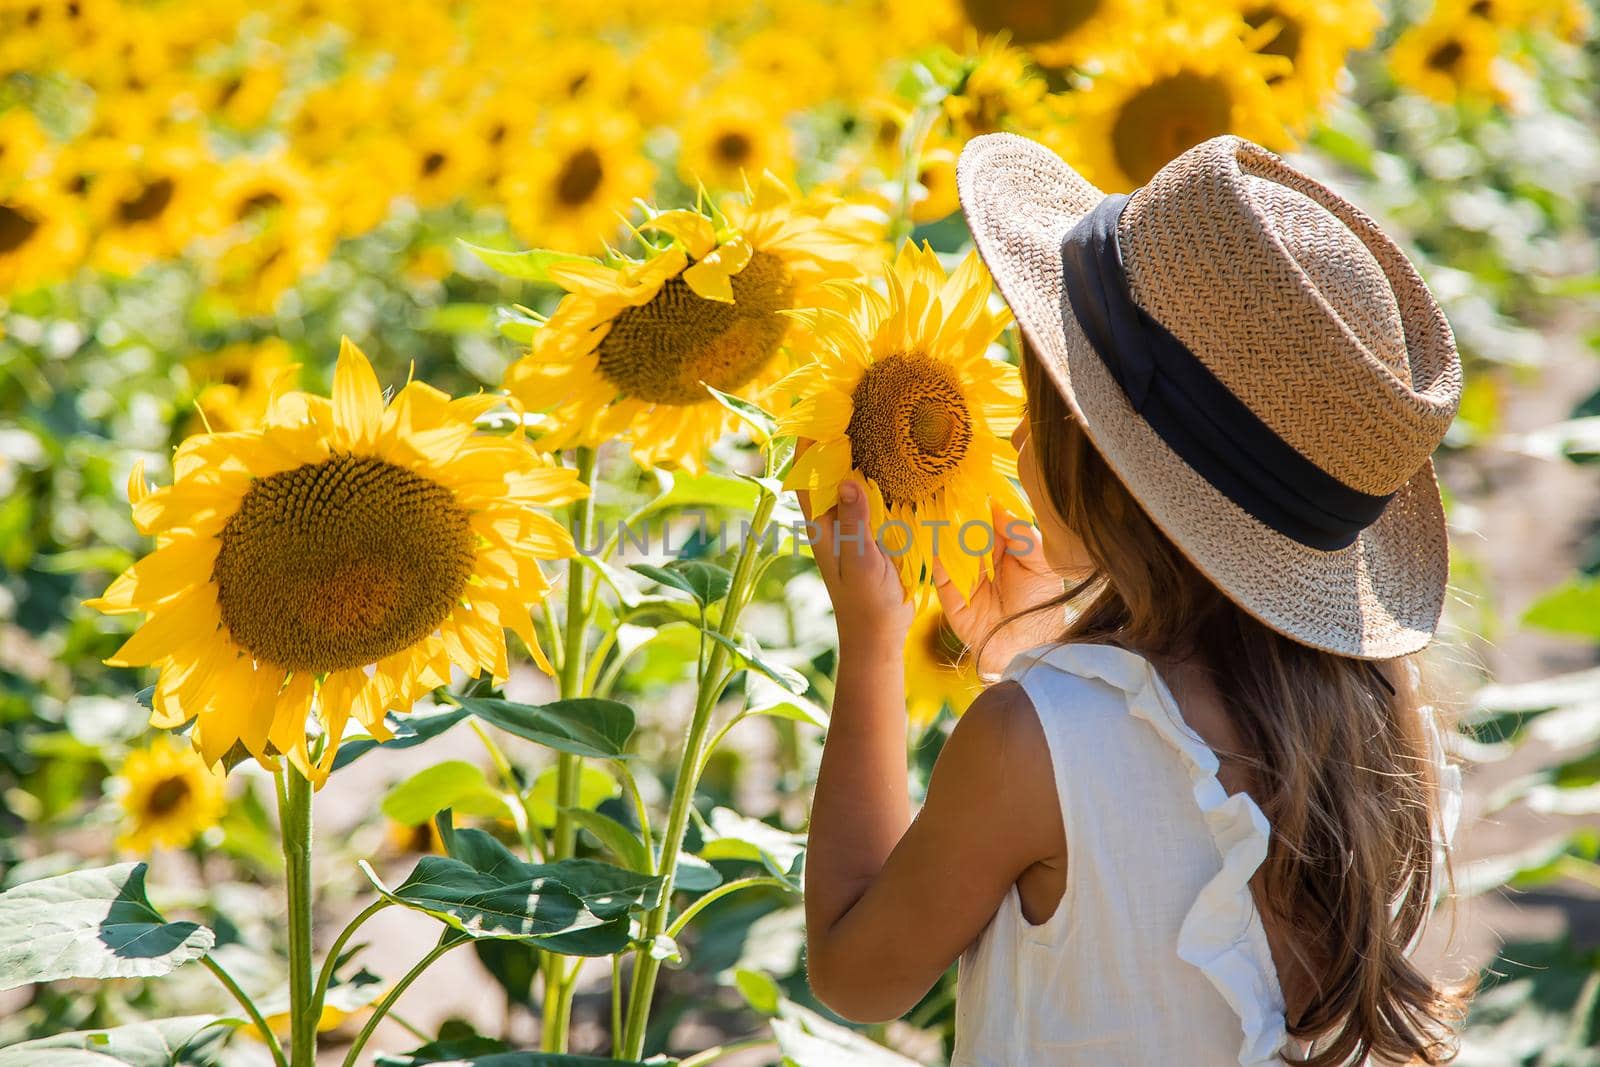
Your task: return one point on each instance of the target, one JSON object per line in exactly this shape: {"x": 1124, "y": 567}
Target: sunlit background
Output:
{"x": 197, "y": 199}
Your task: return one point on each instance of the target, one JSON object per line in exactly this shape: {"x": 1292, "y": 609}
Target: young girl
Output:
{"x": 1201, "y": 821}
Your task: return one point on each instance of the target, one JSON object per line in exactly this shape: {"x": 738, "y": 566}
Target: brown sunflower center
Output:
{"x": 15, "y": 229}
{"x": 1446, "y": 57}
{"x": 1164, "y": 119}
{"x": 1285, "y": 42}
{"x": 1030, "y": 21}
{"x": 433, "y": 163}
{"x": 167, "y": 796}
{"x": 579, "y": 178}
{"x": 148, "y": 203}
{"x": 662, "y": 350}
{"x": 909, "y": 428}
{"x": 338, "y": 564}
{"x": 733, "y": 148}
{"x": 258, "y": 203}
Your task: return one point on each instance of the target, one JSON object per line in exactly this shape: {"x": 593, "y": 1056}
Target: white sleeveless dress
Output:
{"x": 1156, "y": 954}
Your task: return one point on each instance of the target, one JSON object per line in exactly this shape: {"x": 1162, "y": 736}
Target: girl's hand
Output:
{"x": 1023, "y": 579}
{"x": 869, "y": 603}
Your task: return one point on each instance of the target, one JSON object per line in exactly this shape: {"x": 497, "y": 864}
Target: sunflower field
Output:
{"x": 410, "y": 646}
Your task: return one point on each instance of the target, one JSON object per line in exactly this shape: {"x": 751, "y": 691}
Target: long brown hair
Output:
{"x": 1337, "y": 758}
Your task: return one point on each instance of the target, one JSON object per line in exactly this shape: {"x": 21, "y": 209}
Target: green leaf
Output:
{"x": 444, "y": 1055}
{"x": 760, "y": 421}
{"x": 577, "y": 907}
{"x": 160, "y": 1043}
{"x": 594, "y": 786}
{"x": 532, "y": 265}
{"x": 1573, "y": 608}
{"x": 622, "y": 842}
{"x": 809, "y": 1040}
{"x": 754, "y": 657}
{"x": 453, "y": 784}
{"x": 759, "y": 990}
{"x": 587, "y": 726}
{"x": 91, "y": 924}
{"x": 694, "y": 875}
{"x": 409, "y": 730}
{"x": 732, "y": 836}
{"x": 706, "y": 582}
{"x": 768, "y": 698}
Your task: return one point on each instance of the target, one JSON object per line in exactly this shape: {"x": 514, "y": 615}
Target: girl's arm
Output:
{"x": 891, "y": 902}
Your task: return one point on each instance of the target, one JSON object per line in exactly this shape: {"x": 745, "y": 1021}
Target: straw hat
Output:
{"x": 1269, "y": 375}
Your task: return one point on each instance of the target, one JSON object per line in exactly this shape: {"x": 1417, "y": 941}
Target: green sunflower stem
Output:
{"x": 647, "y": 965}
{"x": 294, "y": 825}
{"x": 560, "y": 980}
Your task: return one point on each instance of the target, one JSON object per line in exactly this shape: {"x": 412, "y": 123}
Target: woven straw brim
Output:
{"x": 1378, "y": 598}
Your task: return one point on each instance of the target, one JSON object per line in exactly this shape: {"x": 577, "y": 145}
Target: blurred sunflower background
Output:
{"x": 582, "y": 212}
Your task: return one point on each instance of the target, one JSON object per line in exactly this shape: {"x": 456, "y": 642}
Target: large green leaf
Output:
{"x": 579, "y": 907}
{"x": 453, "y": 784}
{"x": 91, "y": 924}
{"x": 161, "y": 1043}
{"x": 409, "y": 730}
{"x": 587, "y": 726}
{"x": 810, "y": 1040}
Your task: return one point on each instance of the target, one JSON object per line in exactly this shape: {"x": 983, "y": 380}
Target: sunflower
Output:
{"x": 735, "y": 134}
{"x": 999, "y": 90}
{"x": 626, "y": 351}
{"x": 146, "y": 209}
{"x": 1448, "y": 59}
{"x": 237, "y": 384}
{"x": 939, "y": 673}
{"x": 169, "y": 796}
{"x": 447, "y": 161}
{"x": 267, "y": 226}
{"x": 25, "y": 148}
{"x": 1059, "y": 33}
{"x": 1169, "y": 87}
{"x": 668, "y": 63}
{"x": 339, "y": 560}
{"x": 41, "y": 237}
{"x": 574, "y": 189}
{"x": 1315, "y": 37}
{"x": 902, "y": 396}
{"x": 936, "y": 173}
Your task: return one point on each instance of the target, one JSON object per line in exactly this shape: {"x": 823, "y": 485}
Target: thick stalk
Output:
{"x": 558, "y": 978}
{"x": 714, "y": 678}
{"x": 294, "y": 824}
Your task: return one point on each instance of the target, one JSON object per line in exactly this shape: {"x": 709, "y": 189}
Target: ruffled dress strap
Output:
{"x": 1222, "y": 933}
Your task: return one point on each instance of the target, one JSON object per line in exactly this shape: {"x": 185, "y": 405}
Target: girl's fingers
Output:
{"x": 849, "y": 531}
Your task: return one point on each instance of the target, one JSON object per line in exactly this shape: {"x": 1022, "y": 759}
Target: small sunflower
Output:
{"x": 1168, "y": 88}
{"x": 939, "y": 673}
{"x": 1059, "y": 33}
{"x": 339, "y": 560}
{"x": 735, "y": 134}
{"x": 1449, "y": 59}
{"x": 1315, "y": 37}
{"x": 572, "y": 191}
{"x": 41, "y": 237}
{"x": 266, "y": 228}
{"x": 147, "y": 209}
{"x": 169, "y": 796}
{"x": 1000, "y": 90}
{"x": 903, "y": 397}
{"x": 936, "y": 174}
{"x": 238, "y": 383}
{"x": 626, "y": 350}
